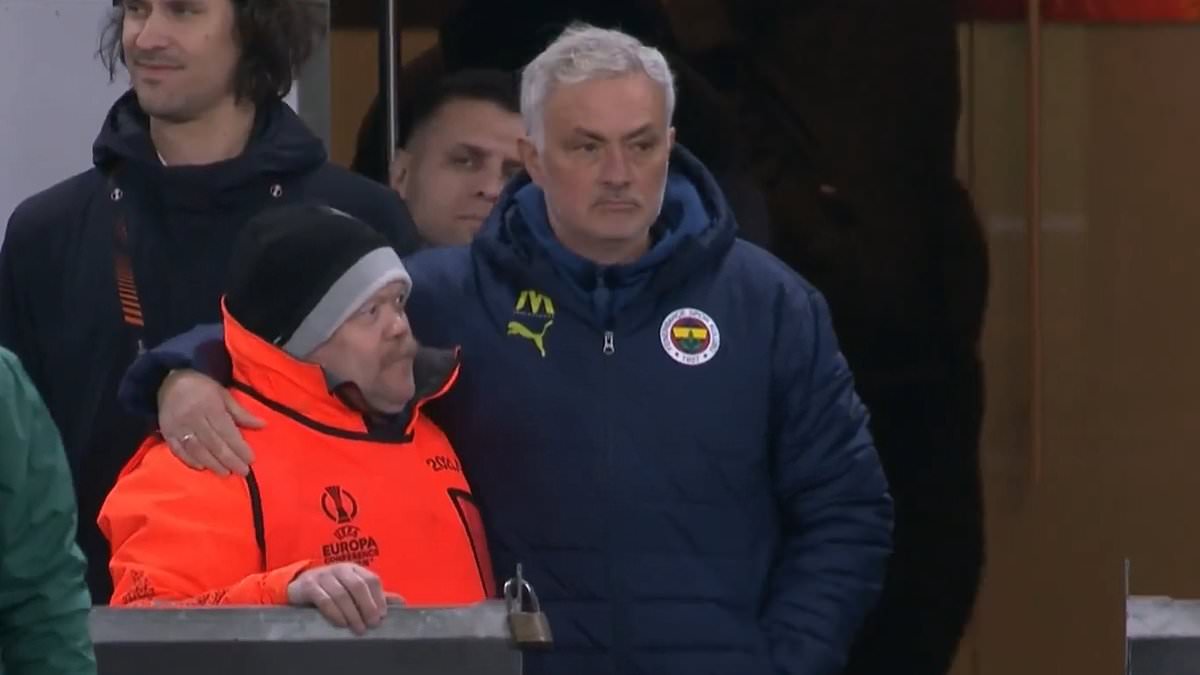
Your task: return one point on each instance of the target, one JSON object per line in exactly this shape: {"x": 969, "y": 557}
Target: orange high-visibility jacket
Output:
{"x": 325, "y": 487}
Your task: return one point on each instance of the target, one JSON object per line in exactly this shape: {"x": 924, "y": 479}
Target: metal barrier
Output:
{"x": 265, "y": 640}
{"x": 1163, "y": 636}
{"x": 483, "y": 639}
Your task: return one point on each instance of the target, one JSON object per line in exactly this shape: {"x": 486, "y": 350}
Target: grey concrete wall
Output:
{"x": 54, "y": 93}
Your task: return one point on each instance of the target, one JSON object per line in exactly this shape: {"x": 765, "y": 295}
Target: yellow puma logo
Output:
{"x": 518, "y": 328}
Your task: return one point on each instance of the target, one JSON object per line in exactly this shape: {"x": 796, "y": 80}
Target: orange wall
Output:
{"x": 354, "y": 64}
{"x": 1120, "y": 125}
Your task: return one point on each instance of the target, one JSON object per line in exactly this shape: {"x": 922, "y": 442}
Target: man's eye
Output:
{"x": 184, "y": 9}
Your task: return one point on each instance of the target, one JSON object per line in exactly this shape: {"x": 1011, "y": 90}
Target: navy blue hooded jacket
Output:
{"x": 59, "y": 306}
{"x": 726, "y": 517}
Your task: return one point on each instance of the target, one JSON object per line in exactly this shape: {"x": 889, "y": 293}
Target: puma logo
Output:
{"x": 518, "y": 328}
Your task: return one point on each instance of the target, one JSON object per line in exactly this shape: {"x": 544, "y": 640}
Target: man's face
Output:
{"x": 603, "y": 164}
{"x": 181, "y": 55}
{"x": 455, "y": 167}
{"x": 374, "y": 349}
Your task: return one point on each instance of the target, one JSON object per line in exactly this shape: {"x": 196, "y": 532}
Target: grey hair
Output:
{"x": 581, "y": 53}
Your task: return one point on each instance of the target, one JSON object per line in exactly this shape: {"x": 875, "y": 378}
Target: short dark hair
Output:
{"x": 277, "y": 37}
{"x": 498, "y": 87}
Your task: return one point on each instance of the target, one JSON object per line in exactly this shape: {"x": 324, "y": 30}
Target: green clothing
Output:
{"x": 44, "y": 601}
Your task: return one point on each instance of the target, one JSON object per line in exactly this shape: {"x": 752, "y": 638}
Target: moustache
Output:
{"x": 405, "y": 351}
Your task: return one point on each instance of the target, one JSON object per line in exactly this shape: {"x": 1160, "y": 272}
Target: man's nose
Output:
{"x": 614, "y": 168}
{"x": 398, "y": 326}
{"x": 491, "y": 184}
{"x": 152, "y": 34}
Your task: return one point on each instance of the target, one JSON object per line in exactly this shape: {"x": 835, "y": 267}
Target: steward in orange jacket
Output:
{"x": 351, "y": 482}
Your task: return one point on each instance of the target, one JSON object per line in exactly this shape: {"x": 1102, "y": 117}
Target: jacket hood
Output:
{"x": 280, "y": 144}
{"x": 305, "y": 390}
{"x": 694, "y": 227}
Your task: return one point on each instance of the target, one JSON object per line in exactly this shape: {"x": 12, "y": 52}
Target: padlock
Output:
{"x": 530, "y": 627}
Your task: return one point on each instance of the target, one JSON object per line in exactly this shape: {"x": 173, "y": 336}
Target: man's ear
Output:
{"x": 532, "y": 159}
{"x": 670, "y": 138}
{"x": 400, "y": 171}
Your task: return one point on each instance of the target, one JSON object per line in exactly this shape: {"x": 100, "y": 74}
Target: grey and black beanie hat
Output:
{"x": 297, "y": 272}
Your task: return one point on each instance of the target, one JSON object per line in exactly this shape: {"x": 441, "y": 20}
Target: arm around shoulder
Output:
{"x": 201, "y": 349}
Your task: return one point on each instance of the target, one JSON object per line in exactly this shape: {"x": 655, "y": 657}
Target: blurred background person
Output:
{"x": 458, "y": 147}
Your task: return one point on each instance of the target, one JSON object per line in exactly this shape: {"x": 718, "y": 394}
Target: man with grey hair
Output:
{"x": 655, "y": 416}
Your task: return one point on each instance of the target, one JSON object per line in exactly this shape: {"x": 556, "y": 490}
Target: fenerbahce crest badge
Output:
{"x": 349, "y": 544}
{"x": 690, "y": 336}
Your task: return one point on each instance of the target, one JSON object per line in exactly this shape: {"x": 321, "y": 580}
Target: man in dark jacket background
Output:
{"x": 851, "y": 111}
{"x": 134, "y": 250}
{"x": 655, "y": 415}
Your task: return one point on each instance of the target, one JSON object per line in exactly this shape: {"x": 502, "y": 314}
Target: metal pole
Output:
{"x": 969, "y": 86}
{"x": 388, "y": 46}
{"x": 1034, "y": 240}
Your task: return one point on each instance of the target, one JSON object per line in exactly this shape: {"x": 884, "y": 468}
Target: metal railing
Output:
{"x": 483, "y": 639}
{"x": 261, "y": 641}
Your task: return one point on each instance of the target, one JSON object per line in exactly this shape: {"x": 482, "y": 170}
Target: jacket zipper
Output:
{"x": 615, "y": 596}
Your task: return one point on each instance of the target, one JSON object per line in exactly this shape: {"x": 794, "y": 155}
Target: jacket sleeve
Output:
{"x": 16, "y": 316}
{"x": 181, "y": 537}
{"x": 833, "y": 500}
{"x": 44, "y": 600}
{"x": 202, "y": 349}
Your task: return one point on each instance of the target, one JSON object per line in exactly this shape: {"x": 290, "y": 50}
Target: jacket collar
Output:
{"x": 280, "y": 147}
{"x": 302, "y": 390}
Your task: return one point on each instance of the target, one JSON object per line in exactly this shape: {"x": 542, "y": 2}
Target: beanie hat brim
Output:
{"x": 364, "y": 278}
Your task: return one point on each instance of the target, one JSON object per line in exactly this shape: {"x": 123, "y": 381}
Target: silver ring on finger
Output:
{"x": 187, "y": 437}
